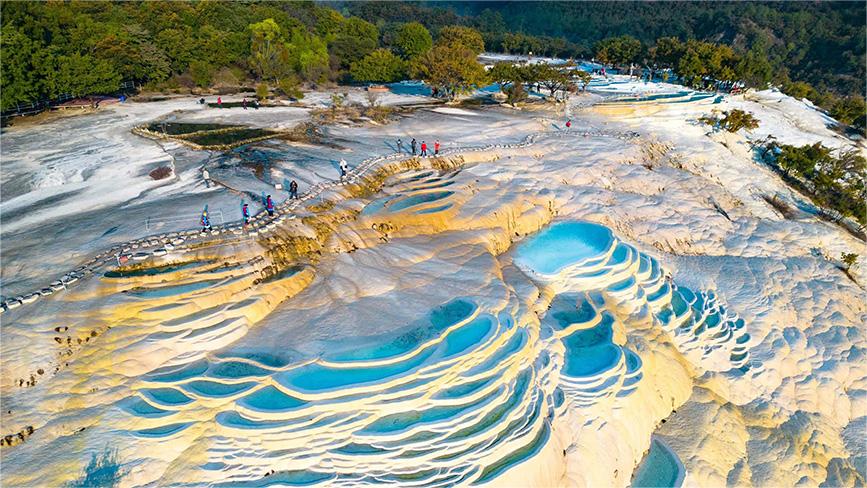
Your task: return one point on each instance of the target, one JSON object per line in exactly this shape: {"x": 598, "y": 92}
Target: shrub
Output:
{"x": 849, "y": 259}
{"x": 732, "y": 121}
{"x": 262, "y": 91}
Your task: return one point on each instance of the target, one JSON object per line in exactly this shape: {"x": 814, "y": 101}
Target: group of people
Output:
{"x": 245, "y": 208}
{"x": 424, "y": 148}
{"x": 255, "y": 102}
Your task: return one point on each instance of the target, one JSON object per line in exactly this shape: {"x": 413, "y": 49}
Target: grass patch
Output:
{"x": 230, "y": 138}
{"x": 180, "y": 128}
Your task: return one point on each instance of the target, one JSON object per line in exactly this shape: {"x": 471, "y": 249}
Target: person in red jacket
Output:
{"x": 219, "y": 101}
{"x": 269, "y": 205}
{"x": 437, "y": 147}
{"x": 423, "y": 148}
{"x": 569, "y": 123}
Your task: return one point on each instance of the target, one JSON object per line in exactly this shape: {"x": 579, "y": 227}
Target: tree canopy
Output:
{"x": 451, "y": 71}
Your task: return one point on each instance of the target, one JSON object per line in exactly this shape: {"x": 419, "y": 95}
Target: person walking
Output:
{"x": 244, "y": 103}
{"x": 207, "y": 177}
{"x": 293, "y": 190}
{"x": 399, "y": 146}
{"x": 269, "y": 205}
{"x": 569, "y": 124}
{"x": 245, "y": 212}
{"x": 206, "y": 222}
{"x": 423, "y": 148}
{"x": 412, "y": 144}
{"x": 219, "y": 101}
{"x": 344, "y": 168}
{"x": 437, "y": 147}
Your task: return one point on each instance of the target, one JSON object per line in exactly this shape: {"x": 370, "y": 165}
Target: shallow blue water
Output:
{"x": 234, "y": 369}
{"x": 163, "y": 431}
{"x": 167, "y": 291}
{"x": 658, "y": 469}
{"x": 167, "y": 396}
{"x": 214, "y": 389}
{"x": 440, "y": 319}
{"x": 435, "y": 209}
{"x": 316, "y": 377}
{"x": 563, "y": 244}
{"x": 270, "y": 399}
{"x": 590, "y": 351}
{"x": 467, "y": 336}
{"x": 414, "y": 200}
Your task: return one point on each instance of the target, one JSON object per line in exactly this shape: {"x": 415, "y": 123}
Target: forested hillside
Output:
{"x": 813, "y": 50}
{"x": 821, "y": 43}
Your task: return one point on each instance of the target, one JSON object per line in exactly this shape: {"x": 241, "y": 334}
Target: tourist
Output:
{"x": 245, "y": 212}
{"x": 423, "y": 148}
{"x": 256, "y": 104}
{"x": 569, "y": 124}
{"x": 207, "y": 177}
{"x": 344, "y": 168}
{"x": 206, "y": 222}
{"x": 412, "y": 144}
{"x": 219, "y": 101}
{"x": 399, "y": 146}
{"x": 201, "y": 101}
{"x": 269, "y": 205}
{"x": 244, "y": 103}
{"x": 437, "y": 147}
{"x": 293, "y": 190}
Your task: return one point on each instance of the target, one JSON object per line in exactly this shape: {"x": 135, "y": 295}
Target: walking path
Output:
{"x": 161, "y": 244}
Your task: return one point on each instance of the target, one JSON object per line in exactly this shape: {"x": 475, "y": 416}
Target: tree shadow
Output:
{"x": 103, "y": 470}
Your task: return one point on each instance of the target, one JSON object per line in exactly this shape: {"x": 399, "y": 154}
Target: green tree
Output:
{"x": 269, "y": 55}
{"x": 583, "y": 77}
{"x": 450, "y": 71}
{"x": 755, "y": 69}
{"x": 307, "y": 55}
{"x": 511, "y": 79}
{"x": 355, "y": 40}
{"x": 799, "y": 90}
{"x": 82, "y": 75}
{"x": 412, "y": 40}
{"x": 20, "y": 79}
{"x": 202, "y": 73}
{"x": 667, "y": 51}
{"x": 460, "y": 36}
{"x": 551, "y": 77}
{"x": 618, "y": 50}
{"x": 379, "y": 66}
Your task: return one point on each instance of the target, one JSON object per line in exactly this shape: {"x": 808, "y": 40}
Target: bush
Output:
{"x": 262, "y": 91}
{"x": 290, "y": 87}
{"x": 380, "y": 66}
{"x": 834, "y": 181}
{"x": 849, "y": 259}
{"x": 202, "y": 73}
{"x": 732, "y": 121}
{"x": 799, "y": 90}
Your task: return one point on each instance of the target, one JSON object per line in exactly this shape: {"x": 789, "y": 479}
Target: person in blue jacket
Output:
{"x": 206, "y": 222}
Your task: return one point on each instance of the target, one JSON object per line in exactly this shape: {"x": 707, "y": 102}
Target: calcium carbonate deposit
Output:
{"x": 612, "y": 304}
